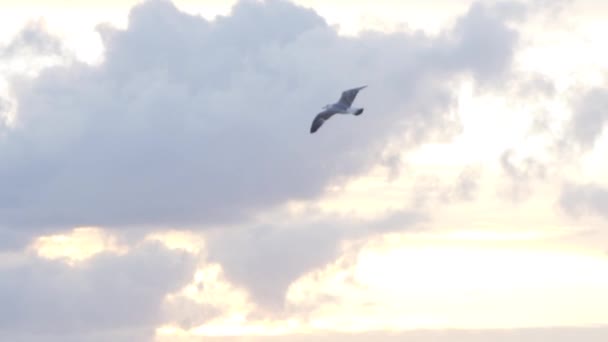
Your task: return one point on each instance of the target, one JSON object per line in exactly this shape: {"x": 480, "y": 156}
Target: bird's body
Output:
{"x": 343, "y": 106}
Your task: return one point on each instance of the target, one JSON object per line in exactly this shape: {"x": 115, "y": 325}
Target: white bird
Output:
{"x": 343, "y": 106}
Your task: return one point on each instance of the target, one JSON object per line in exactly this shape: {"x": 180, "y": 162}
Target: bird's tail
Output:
{"x": 358, "y": 111}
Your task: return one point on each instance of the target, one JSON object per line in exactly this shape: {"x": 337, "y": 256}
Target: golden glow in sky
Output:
{"x": 399, "y": 282}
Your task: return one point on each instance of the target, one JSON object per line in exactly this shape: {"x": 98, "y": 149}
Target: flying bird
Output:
{"x": 343, "y": 106}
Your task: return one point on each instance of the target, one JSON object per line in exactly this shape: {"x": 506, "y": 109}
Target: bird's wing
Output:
{"x": 320, "y": 119}
{"x": 348, "y": 96}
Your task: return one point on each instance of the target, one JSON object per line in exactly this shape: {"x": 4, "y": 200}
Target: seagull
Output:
{"x": 343, "y": 106}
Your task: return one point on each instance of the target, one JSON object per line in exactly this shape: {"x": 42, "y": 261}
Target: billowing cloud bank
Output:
{"x": 192, "y": 122}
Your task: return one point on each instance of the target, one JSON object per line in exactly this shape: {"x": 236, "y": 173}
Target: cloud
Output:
{"x": 195, "y": 122}
{"x": 4, "y": 108}
{"x": 432, "y": 191}
{"x": 108, "y": 297}
{"x": 266, "y": 259}
{"x": 582, "y": 130}
{"x": 521, "y": 173}
{"x": 31, "y": 50}
{"x": 33, "y": 40}
{"x": 535, "y": 86}
{"x": 482, "y": 41}
{"x": 581, "y": 199}
{"x": 13, "y": 239}
{"x": 588, "y": 119}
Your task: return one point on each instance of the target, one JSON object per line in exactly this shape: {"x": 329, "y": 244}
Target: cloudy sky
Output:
{"x": 158, "y": 181}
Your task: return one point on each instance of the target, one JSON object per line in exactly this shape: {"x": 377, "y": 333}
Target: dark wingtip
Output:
{"x": 316, "y": 124}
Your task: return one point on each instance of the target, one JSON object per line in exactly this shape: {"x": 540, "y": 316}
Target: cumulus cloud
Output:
{"x": 189, "y": 122}
{"x": 107, "y": 297}
{"x": 266, "y": 259}
{"x": 195, "y": 122}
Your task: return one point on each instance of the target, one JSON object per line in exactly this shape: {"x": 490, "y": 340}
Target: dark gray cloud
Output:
{"x": 195, "y": 122}
{"x": 266, "y": 259}
{"x": 581, "y": 199}
{"x": 108, "y": 297}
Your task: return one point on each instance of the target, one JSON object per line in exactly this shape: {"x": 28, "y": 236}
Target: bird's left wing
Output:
{"x": 348, "y": 96}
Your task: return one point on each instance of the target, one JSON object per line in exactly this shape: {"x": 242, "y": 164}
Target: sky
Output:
{"x": 159, "y": 181}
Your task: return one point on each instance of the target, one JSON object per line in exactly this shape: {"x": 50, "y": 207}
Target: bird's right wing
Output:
{"x": 320, "y": 119}
{"x": 348, "y": 96}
